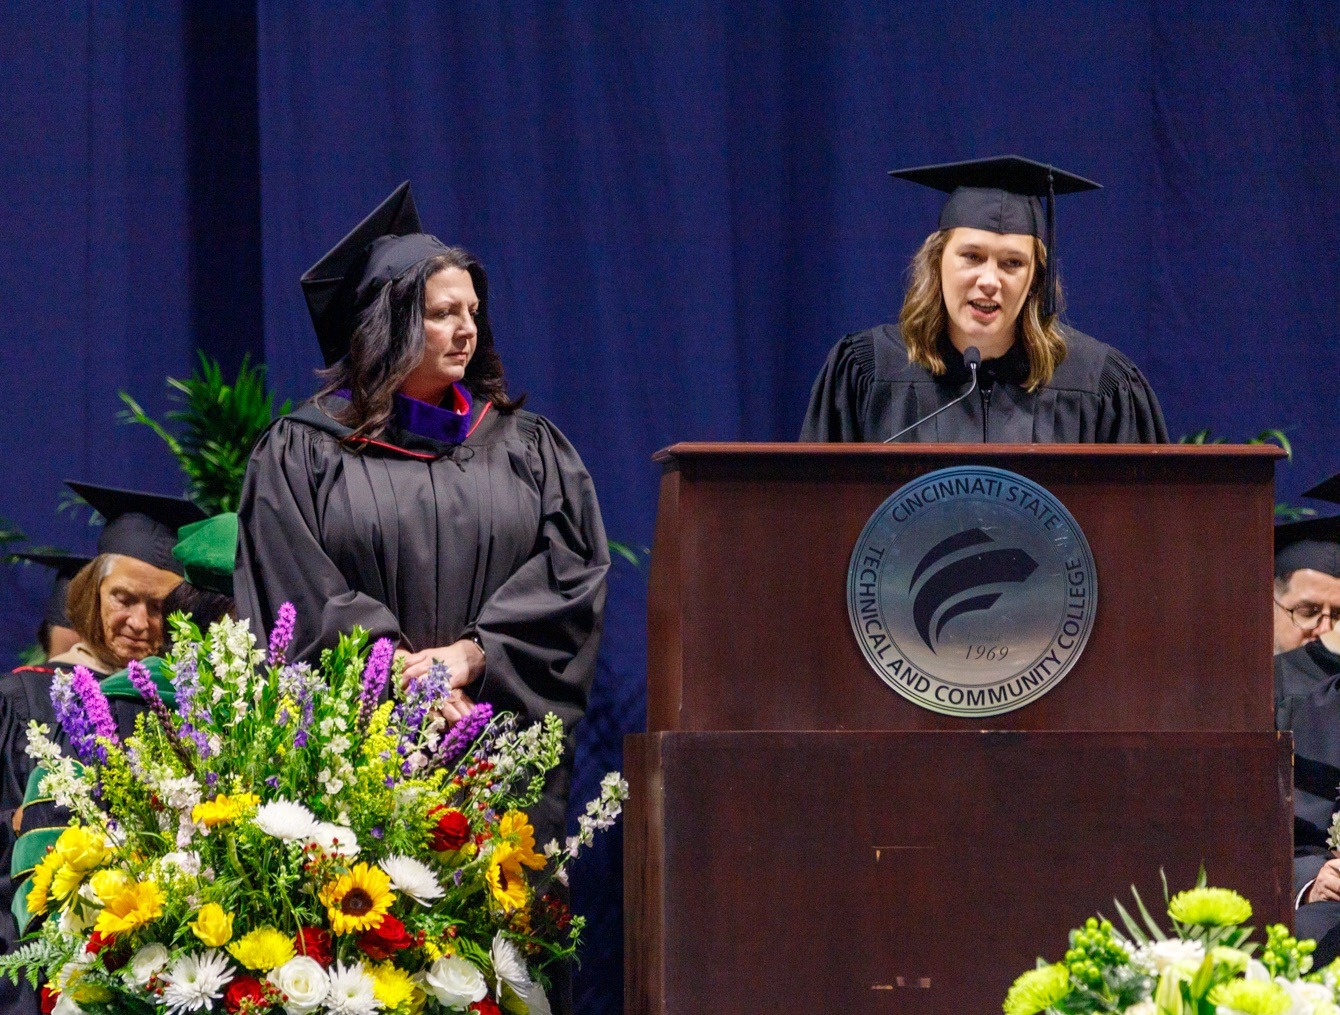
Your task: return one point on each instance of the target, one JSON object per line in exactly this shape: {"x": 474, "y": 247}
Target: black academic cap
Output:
{"x": 1313, "y": 543}
{"x": 382, "y": 247}
{"x": 66, "y": 566}
{"x": 1327, "y": 489}
{"x": 140, "y": 525}
{"x": 1003, "y": 195}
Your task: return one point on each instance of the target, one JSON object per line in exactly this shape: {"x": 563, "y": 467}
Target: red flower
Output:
{"x": 314, "y": 943}
{"x": 452, "y": 830}
{"x": 49, "y": 999}
{"x": 385, "y": 939}
{"x": 245, "y": 990}
{"x": 113, "y": 958}
{"x": 485, "y": 1006}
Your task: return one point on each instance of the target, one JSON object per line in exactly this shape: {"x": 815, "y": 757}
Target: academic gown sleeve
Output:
{"x": 278, "y": 547}
{"x": 541, "y": 628}
{"x": 1130, "y": 411}
{"x": 839, "y": 408}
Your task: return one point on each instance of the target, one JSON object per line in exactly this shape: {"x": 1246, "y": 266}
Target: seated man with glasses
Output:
{"x": 1307, "y": 603}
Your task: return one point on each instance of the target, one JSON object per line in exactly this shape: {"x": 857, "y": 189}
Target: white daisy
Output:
{"x": 413, "y": 878}
{"x": 351, "y": 991}
{"x": 194, "y": 982}
{"x": 335, "y": 838}
{"x": 285, "y": 820}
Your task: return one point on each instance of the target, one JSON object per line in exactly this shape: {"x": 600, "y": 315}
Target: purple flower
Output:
{"x": 282, "y": 633}
{"x": 272, "y": 782}
{"x": 73, "y": 720}
{"x": 463, "y": 734}
{"x": 211, "y": 778}
{"x": 144, "y": 683}
{"x": 95, "y": 703}
{"x": 375, "y": 674}
{"x": 377, "y": 833}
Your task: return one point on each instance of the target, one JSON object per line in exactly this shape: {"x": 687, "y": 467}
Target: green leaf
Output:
{"x": 627, "y": 552}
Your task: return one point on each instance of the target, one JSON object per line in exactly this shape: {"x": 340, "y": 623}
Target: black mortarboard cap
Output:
{"x": 1003, "y": 195}
{"x": 1313, "y": 543}
{"x": 382, "y": 247}
{"x": 1327, "y": 489}
{"x": 138, "y": 524}
{"x": 66, "y": 566}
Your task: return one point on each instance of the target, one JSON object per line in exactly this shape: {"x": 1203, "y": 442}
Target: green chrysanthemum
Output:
{"x": 1251, "y": 997}
{"x": 1210, "y": 907}
{"x": 1037, "y": 990}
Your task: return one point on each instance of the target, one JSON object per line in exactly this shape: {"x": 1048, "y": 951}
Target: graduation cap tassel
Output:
{"x": 1049, "y": 299}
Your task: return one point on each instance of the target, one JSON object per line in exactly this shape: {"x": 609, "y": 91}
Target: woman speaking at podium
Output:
{"x": 978, "y": 354}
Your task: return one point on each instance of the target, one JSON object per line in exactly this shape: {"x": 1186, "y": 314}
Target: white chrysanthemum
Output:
{"x": 303, "y": 983}
{"x": 538, "y": 1004}
{"x": 351, "y": 991}
{"x": 65, "y": 1005}
{"x": 145, "y": 963}
{"x": 455, "y": 982}
{"x": 413, "y": 878}
{"x": 509, "y": 967}
{"x": 195, "y": 982}
{"x": 335, "y": 838}
{"x": 1158, "y": 956}
{"x": 285, "y": 820}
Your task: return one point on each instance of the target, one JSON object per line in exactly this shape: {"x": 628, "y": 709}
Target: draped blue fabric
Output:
{"x": 681, "y": 207}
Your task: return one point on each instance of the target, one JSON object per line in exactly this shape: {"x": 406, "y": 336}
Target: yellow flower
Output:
{"x": 1251, "y": 997}
{"x": 263, "y": 948}
{"x": 39, "y": 896}
{"x": 215, "y": 927}
{"x": 358, "y": 900}
{"x": 80, "y": 849}
{"x": 437, "y": 949}
{"x": 137, "y": 904}
{"x": 1037, "y": 990}
{"x": 1210, "y": 907}
{"x": 107, "y": 884}
{"x": 392, "y": 986}
{"x": 506, "y": 881}
{"x": 515, "y": 828}
{"x": 224, "y": 808}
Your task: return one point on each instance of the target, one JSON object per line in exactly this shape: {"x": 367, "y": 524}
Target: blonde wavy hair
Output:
{"x": 924, "y": 320}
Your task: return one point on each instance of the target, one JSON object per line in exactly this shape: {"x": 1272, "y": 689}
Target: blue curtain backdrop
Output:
{"x": 682, "y": 206}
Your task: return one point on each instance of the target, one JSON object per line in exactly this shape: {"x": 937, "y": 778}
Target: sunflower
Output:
{"x": 137, "y": 904}
{"x": 39, "y": 895}
{"x": 506, "y": 880}
{"x": 358, "y": 900}
{"x": 223, "y": 809}
{"x": 515, "y": 828}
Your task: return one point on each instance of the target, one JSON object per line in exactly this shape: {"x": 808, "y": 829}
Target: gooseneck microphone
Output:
{"x": 973, "y": 358}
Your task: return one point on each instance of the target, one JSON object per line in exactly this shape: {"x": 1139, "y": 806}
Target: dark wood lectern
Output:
{"x": 801, "y": 838}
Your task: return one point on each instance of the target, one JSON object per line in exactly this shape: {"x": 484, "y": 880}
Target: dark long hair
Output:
{"x": 388, "y": 344}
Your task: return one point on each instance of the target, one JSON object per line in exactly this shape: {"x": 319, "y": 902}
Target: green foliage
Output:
{"x": 633, "y": 554}
{"x": 219, "y": 425}
{"x": 1271, "y": 436}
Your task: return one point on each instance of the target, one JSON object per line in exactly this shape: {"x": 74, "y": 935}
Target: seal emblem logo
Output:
{"x": 972, "y": 591}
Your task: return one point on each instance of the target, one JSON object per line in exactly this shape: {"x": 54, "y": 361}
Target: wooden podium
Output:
{"x": 801, "y": 838}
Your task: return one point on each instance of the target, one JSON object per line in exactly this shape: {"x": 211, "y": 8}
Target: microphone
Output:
{"x": 973, "y": 358}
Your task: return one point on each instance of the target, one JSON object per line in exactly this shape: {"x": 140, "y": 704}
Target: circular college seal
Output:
{"x": 972, "y": 591}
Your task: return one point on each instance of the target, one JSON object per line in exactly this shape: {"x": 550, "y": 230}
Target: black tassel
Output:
{"x": 1049, "y": 298}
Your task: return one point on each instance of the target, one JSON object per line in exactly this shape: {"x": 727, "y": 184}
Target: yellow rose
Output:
{"x": 80, "y": 849}
{"x": 212, "y": 925}
{"x": 107, "y": 884}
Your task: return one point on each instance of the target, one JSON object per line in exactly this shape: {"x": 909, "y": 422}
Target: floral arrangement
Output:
{"x": 281, "y": 839}
{"x": 1206, "y": 966}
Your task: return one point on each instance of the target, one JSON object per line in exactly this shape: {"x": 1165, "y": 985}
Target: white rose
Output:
{"x": 303, "y": 983}
{"x": 146, "y": 962}
{"x": 1307, "y": 998}
{"x": 1159, "y": 956}
{"x": 455, "y": 982}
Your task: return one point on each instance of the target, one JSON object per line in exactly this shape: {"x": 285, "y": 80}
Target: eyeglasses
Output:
{"x": 1308, "y": 616}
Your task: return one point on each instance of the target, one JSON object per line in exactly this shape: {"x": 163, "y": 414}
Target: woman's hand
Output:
{"x": 464, "y": 659}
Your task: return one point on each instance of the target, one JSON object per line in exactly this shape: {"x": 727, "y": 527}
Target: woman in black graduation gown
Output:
{"x": 413, "y": 498}
{"x": 982, "y": 281}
